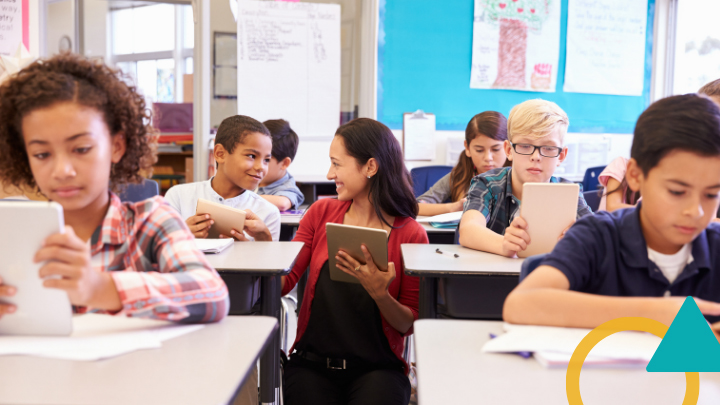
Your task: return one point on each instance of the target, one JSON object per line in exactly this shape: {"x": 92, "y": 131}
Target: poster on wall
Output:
{"x": 14, "y": 29}
{"x": 606, "y": 47}
{"x": 516, "y": 45}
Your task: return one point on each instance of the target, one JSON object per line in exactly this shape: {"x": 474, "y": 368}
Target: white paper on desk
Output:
{"x": 624, "y": 346}
{"x": 97, "y": 337}
{"x": 213, "y": 245}
{"x": 451, "y": 217}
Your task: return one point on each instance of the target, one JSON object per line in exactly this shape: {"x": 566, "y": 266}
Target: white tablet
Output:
{"x": 226, "y": 218}
{"x": 349, "y": 238}
{"x": 40, "y": 310}
{"x": 548, "y": 209}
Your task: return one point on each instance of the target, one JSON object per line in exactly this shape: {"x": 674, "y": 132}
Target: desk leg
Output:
{"x": 270, "y": 360}
{"x": 428, "y": 298}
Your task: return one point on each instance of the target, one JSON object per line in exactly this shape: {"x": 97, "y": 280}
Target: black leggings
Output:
{"x": 314, "y": 384}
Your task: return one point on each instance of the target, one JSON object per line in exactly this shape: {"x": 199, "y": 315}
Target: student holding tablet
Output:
{"x": 349, "y": 341}
{"x": 242, "y": 151}
{"x": 485, "y": 135}
{"x": 491, "y": 220}
{"x": 74, "y": 129}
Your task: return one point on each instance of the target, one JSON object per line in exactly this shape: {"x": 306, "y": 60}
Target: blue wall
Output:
{"x": 424, "y": 58}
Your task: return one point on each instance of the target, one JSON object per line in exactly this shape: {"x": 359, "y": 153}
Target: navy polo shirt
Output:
{"x": 606, "y": 254}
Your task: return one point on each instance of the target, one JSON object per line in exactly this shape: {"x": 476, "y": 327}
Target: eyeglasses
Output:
{"x": 527, "y": 149}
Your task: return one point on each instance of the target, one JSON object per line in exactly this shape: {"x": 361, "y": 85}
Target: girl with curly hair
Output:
{"x": 71, "y": 128}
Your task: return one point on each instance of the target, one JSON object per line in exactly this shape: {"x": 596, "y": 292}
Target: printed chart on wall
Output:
{"x": 14, "y": 28}
{"x": 516, "y": 45}
{"x": 606, "y": 47}
{"x": 289, "y": 64}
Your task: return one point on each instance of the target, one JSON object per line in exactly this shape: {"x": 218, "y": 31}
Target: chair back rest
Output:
{"x": 424, "y": 177}
{"x": 591, "y": 181}
{"x": 139, "y": 192}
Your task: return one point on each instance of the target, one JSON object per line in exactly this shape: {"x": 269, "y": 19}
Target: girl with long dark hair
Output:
{"x": 484, "y": 137}
{"x": 350, "y": 337}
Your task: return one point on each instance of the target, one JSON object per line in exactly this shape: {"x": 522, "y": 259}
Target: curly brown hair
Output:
{"x": 73, "y": 78}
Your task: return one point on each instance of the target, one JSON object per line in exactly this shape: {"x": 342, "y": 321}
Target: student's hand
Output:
{"x": 6, "y": 291}
{"x": 457, "y": 205}
{"x": 375, "y": 281}
{"x": 516, "y": 238}
{"x": 199, "y": 225}
{"x": 565, "y": 230}
{"x": 68, "y": 268}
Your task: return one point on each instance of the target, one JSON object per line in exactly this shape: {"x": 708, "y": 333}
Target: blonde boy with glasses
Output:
{"x": 491, "y": 220}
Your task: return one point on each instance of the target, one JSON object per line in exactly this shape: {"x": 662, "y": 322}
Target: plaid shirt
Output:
{"x": 491, "y": 194}
{"x": 158, "y": 271}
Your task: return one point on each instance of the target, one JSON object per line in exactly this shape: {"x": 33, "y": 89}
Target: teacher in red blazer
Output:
{"x": 350, "y": 337}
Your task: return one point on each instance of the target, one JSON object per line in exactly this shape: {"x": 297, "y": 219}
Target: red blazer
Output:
{"x": 315, "y": 253}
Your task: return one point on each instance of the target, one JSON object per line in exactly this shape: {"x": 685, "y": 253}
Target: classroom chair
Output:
{"x": 424, "y": 177}
{"x": 138, "y": 192}
{"x": 592, "y": 198}
{"x": 530, "y": 264}
{"x": 590, "y": 181}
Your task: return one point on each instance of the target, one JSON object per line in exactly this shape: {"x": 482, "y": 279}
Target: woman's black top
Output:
{"x": 345, "y": 323}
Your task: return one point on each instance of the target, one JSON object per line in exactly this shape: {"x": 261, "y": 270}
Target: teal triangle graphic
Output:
{"x": 689, "y": 344}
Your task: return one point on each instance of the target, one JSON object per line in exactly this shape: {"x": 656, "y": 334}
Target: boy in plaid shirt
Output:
{"x": 491, "y": 220}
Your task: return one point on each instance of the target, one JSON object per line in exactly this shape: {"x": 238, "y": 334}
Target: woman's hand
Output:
{"x": 6, "y": 291}
{"x": 375, "y": 281}
{"x": 68, "y": 268}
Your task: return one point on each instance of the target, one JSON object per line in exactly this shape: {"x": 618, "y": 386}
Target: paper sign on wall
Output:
{"x": 606, "y": 47}
{"x": 516, "y": 45}
{"x": 418, "y": 136}
{"x": 289, "y": 64}
{"x": 14, "y": 30}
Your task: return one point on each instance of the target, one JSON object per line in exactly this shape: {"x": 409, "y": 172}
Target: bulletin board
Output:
{"x": 424, "y": 61}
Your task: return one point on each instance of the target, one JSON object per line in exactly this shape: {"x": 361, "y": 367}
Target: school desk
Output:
{"x": 476, "y": 283}
{"x": 452, "y": 370}
{"x": 445, "y": 236}
{"x": 207, "y": 366}
{"x": 270, "y": 261}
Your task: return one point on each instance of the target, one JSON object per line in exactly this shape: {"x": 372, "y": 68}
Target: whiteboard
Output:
{"x": 289, "y": 64}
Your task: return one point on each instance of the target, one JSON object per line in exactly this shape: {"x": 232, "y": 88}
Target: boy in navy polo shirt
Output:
{"x": 641, "y": 261}
{"x": 278, "y": 187}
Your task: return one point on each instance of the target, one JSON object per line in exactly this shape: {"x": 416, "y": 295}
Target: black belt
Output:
{"x": 330, "y": 363}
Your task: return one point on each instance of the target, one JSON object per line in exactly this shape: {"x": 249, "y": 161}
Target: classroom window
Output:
{"x": 697, "y": 45}
{"x": 150, "y": 51}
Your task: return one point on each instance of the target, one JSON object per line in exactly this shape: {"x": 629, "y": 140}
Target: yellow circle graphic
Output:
{"x": 572, "y": 377}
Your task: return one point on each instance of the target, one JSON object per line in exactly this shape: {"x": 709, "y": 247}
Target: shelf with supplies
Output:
{"x": 173, "y": 168}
